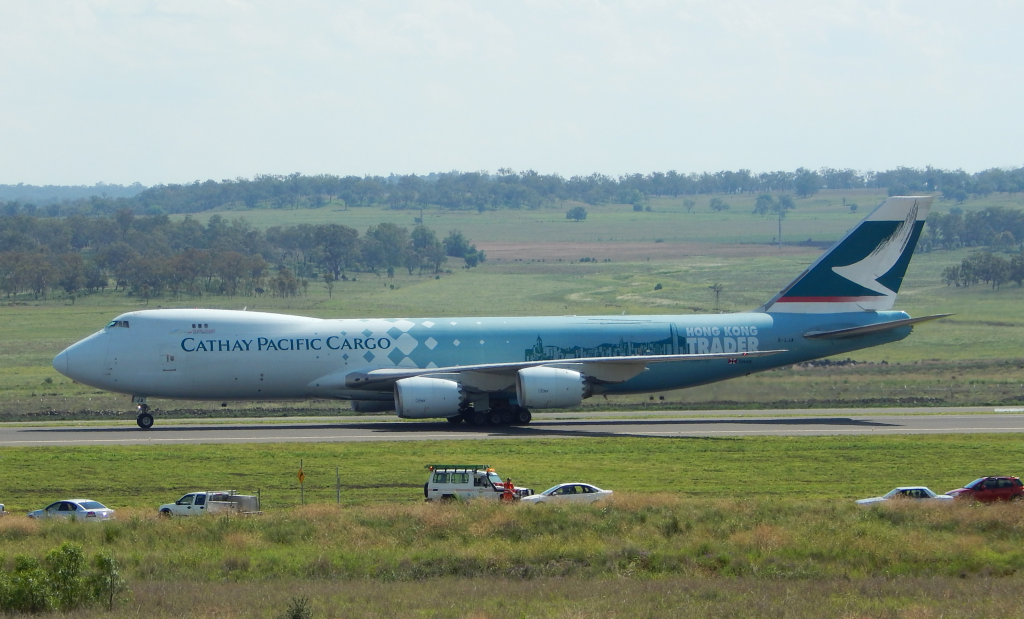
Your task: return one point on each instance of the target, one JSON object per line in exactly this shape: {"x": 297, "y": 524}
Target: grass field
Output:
{"x": 570, "y": 597}
{"x": 819, "y": 468}
{"x": 736, "y": 527}
{"x": 972, "y": 358}
{"x": 745, "y": 527}
{"x": 821, "y": 218}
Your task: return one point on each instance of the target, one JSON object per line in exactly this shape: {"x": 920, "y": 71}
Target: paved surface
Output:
{"x": 662, "y": 424}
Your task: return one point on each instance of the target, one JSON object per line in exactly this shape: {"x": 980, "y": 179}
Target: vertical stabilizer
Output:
{"x": 864, "y": 270}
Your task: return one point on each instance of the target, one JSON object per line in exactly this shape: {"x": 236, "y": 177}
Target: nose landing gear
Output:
{"x": 145, "y": 419}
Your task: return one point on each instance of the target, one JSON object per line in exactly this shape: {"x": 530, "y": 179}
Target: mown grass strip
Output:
{"x": 840, "y": 467}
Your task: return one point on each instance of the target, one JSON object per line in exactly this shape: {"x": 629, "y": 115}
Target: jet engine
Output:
{"x": 420, "y": 398}
{"x": 544, "y": 387}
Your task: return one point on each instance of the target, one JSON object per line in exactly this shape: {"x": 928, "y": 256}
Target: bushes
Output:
{"x": 60, "y": 582}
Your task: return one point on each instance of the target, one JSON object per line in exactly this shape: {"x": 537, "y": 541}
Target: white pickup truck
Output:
{"x": 212, "y": 502}
{"x": 463, "y": 482}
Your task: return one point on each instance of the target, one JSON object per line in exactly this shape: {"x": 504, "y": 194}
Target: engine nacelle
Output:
{"x": 421, "y": 398}
{"x": 544, "y": 387}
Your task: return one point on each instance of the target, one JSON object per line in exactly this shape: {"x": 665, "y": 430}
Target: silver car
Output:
{"x": 573, "y": 492}
{"x": 908, "y": 492}
{"x": 79, "y": 509}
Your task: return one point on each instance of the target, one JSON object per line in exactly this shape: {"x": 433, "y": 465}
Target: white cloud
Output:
{"x": 173, "y": 91}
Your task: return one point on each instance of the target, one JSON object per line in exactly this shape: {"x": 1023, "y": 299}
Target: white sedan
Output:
{"x": 79, "y": 509}
{"x": 573, "y": 492}
{"x": 908, "y": 492}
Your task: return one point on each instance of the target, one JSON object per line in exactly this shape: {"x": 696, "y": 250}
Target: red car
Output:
{"x": 989, "y": 489}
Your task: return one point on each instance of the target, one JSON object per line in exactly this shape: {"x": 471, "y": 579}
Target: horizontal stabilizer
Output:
{"x": 840, "y": 334}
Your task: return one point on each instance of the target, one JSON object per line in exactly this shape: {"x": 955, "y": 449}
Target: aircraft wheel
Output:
{"x": 522, "y": 416}
{"x": 494, "y": 418}
{"x": 456, "y": 420}
{"x": 507, "y": 417}
{"x": 145, "y": 421}
{"x": 479, "y": 418}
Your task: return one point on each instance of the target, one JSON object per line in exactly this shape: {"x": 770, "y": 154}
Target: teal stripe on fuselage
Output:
{"x": 497, "y": 340}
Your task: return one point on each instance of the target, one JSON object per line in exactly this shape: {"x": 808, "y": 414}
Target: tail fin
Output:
{"x": 864, "y": 270}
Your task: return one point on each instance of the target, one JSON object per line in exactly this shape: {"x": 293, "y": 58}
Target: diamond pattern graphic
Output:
{"x": 404, "y": 325}
{"x": 368, "y": 356}
{"x": 394, "y": 332}
{"x": 456, "y": 342}
{"x": 345, "y": 356}
{"x": 427, "y": 324}
{"x": 396, "y": 356}
{"x": 430, "y": 343}
{"x": 367, "y": 333}
{"x": 406, "y": 343}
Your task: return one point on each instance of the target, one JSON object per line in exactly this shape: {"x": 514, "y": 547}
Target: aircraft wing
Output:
{"x": 839, "y": 334}
{"x": 487, "y": 376}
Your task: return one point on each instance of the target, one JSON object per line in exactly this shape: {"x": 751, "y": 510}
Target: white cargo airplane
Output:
{"x": 494, "y": 370}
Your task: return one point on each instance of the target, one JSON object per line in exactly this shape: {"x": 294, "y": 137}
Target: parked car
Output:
{"x": 80, "y": 509}
{"x": 573, "y": 492}
{"x": 464, "y": 482}
{"x": 211, "y": 502}
{"x": 990, "y": 489}
{"x": 907, "y": 492}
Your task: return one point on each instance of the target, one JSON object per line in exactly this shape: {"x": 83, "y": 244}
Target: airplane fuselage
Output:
{"x": 234, "y": 355}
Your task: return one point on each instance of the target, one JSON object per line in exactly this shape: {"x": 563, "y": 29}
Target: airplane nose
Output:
{"x": 60, "y": 362}
{"x": 84, "y": 361}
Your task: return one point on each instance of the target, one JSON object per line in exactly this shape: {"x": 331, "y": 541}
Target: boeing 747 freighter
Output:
{"x": 496, "y": 370}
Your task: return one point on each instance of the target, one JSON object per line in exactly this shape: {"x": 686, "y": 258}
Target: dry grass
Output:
{"x": 573, "y": 598}
{"x": 655, "y": 555}
{"x": 636, "y": 536}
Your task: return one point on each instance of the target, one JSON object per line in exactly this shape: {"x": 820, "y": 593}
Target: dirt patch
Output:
{"x": 510, "y": 250}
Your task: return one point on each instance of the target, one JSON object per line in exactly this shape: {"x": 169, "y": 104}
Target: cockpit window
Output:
{"x": 118, "y": 323}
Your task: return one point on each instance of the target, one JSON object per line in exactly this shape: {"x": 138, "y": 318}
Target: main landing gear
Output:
{"x": 145, "y": 418}
{"x": 497, "y": 416}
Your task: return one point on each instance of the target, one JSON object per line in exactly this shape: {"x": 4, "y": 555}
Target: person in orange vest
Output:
{"x": 510, "y": 491}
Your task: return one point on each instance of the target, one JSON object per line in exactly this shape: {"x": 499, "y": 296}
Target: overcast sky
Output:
{"x": 180, "y": 90}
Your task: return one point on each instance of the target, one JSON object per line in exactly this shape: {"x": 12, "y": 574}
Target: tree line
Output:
{"x": 152, "y": 255}
{"x": 508, "y": 189}
{"x": 985, "y": 267}
{"x": 996, "y": 227}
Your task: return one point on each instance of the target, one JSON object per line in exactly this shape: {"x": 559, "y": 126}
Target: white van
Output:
{"x": 464, "y": 482}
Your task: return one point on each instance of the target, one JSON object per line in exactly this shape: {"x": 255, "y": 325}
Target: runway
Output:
{"x": 553, "y": 425}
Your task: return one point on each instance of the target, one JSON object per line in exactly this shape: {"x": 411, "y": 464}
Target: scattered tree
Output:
{"x": 577, "y": 213}
{"x": 767, "y": 205}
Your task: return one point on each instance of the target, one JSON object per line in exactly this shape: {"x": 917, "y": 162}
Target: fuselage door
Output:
{"x": 167, "y": 360}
